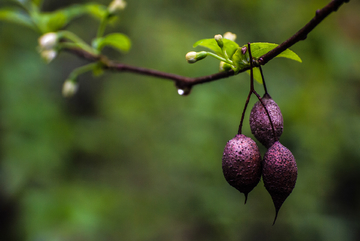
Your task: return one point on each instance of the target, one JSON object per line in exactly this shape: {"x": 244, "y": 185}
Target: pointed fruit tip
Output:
{"x": 276, "y": 214}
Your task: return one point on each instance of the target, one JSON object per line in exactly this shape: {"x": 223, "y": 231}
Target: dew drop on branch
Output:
{"x": 184, "y": 91}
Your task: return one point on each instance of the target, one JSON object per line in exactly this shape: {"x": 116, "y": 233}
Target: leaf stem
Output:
{"x": 263, "y": 80}
{"x": 220, "y": 58}
{"x": 102, "y": 26}
{"x": 262, "y": 103}
{"x": 250, "y": 92}
{"x": 81, "y": 70}
{"x": 243, "y": 113}
{"x": 78, "y": 41}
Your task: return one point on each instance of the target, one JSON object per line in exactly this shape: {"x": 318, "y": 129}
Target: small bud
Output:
{"x": 230, "y": 36}
{"x": 48, "y": 41}
{"x": 48, "y": 55}
{"x": 116, "y": 5}
{"x": 70, "y": 87}
{"x": 224, "y": 67}
{"x": 192, "y": 56}
{"x": 219, "y": 40}
{"x": 243, "y": 50}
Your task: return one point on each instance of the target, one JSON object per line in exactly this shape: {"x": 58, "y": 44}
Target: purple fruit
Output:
{"x": 260, "y": 124}
{"x": 279, "y": 173}
{"x": 241, "y": 163}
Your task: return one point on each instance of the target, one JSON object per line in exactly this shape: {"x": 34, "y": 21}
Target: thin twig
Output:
{"x": 250, "y": 93}
{"x": 263, "y": 80}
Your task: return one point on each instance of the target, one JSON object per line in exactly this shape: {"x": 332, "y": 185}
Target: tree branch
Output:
{"x": 187, "y": 82}
{"x": 302, "y": 33}
{"x": 180, "y": 81}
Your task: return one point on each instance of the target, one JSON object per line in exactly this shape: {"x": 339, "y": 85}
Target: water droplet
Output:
{"x": 181, "y": 91}
{"x": 184, "y": 91}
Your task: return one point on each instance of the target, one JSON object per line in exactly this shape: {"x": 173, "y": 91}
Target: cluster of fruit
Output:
{"x": 242, "y": 163}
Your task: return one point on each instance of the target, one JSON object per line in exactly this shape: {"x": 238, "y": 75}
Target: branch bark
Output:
{"x": 183, "y": 82}
{"x": 302, "y": 34}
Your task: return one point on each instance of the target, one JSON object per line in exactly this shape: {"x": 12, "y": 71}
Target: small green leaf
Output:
{"x": 241, "y": 60}
{"x": 37, "y": 2}
{"x": 257, "y": 74}
{"x": 98, "y": 70}
{"x": 210, "y": 44}
{"x": 116, "y": 40}
{"x": 54, "y": 21}
{"x": 96, "y": 10}
{"x": 259, "y": 49}
{"x": 229, "y": 46}
{"x": 51, "y": 22}
{"x": 16, "y": 16}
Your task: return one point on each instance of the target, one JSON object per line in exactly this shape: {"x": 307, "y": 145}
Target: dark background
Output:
{"x": 129, "y": 159}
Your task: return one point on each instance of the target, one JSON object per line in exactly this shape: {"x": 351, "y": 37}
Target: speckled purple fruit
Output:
{"x": 241, "y": 163}
{"x": 279, "y": 173}
{"x": 259, "y": 121}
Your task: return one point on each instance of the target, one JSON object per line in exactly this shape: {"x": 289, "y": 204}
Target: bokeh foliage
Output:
{"x": 129, "y": 159}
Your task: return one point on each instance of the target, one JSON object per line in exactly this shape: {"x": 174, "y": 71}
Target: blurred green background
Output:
{"x": 127, "y": 158}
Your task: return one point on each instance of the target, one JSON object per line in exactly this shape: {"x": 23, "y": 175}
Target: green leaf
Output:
{"x": 241, "y": 60}
{"x": 259, "y": 49}
{"x": 96, "y": 10}
{"x": 16, "y": 16}
{"x": 229, "y": 46}
{"x": 50, "y": 22}
{"x": 116, "y": 40}
{"x": 37, "y": 2}
{"x": 54, "y": 21}
{"x": 257, "y": 74}
{"x": 98, "y": 70}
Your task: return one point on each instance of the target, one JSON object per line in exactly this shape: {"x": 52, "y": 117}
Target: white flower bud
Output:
{"x": 48, "y": 55}
{"x": 230, "y": 36}
{"x": 219, "y": 40}
{"x": 218, "y": 37}
{"x": 192, "y": 56}
{"x": 70, "y": 87}
{"x": 48, "y": 41}
{"x": 116, "y": 5}
{"x": 224, "y": 67}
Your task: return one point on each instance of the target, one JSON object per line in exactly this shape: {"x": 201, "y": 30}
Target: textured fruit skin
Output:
{"x": 241, "y": 163}
{"x": 260, "y": 124}
{"x": 279, "y": 173}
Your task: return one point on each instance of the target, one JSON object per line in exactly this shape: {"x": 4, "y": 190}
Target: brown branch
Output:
{"x": 302, "y": 33}
{"x": 180, "y": 81}
{"x": 187, "y": 82}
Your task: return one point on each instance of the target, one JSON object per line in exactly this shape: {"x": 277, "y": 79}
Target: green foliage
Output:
{"x": 259, "y": 49}
{"x": 17, "y": 16}
{"x": 256, "y": 74}
{"x": 50, "y": 21}
{"x": 118, "y": 41}
{"x": 241, "y": 59}
{"x": 229, "y": 46}
{"x": 54, "y": 39}
{"x": 238, "y": 57}
{"x": 54, "y": 21}
{"x": 36, "y": 2}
